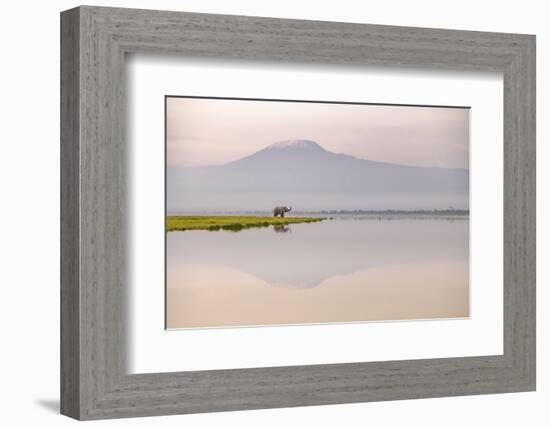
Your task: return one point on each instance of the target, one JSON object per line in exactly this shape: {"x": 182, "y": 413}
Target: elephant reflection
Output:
{"x": 281, "y": 228}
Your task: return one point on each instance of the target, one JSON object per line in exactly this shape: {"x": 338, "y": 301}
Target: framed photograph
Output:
{"x": 314, "y": 234}
{"x": 262, "y": 213}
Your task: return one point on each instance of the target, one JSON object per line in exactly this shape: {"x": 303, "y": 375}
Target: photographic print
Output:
{"x": 284, "y": 212}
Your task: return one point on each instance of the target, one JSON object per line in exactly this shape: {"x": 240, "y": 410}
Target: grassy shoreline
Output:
{"x": 231, "y": 223}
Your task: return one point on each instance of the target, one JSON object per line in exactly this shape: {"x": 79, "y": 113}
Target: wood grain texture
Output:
{"x": 70, "y": 258}
{"x": 94, "y": 382}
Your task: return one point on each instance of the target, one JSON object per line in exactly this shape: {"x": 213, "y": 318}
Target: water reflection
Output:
{"x": 338, "y": 270}
{"x": 281, "y": 228}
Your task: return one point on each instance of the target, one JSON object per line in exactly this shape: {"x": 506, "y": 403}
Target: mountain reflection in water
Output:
{"x": 340, "y": 270}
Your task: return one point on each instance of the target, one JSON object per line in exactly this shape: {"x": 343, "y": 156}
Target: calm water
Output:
{"x": 347, "y": 269}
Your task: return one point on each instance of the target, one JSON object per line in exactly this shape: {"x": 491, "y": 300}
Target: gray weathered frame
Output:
{"x": 94, "y": 41}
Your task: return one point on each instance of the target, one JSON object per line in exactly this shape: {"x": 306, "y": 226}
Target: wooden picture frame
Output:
{"x": 94, "y": 382}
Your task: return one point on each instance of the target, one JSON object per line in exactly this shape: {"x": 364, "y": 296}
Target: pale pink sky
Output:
{"x": 214, "y": 131}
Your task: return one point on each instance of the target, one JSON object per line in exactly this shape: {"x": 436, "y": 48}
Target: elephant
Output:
{"x": 280, "y": 211}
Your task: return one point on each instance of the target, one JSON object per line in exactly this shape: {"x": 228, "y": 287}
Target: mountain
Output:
{"x": 303, "y": 174}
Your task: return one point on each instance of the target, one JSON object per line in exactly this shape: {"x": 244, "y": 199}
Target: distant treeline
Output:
{"x": 427, "y": 212}
{"x": 391, "y": 212}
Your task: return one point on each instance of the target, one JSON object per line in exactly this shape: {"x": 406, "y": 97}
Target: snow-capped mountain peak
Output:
{"x": 295, "y": 144}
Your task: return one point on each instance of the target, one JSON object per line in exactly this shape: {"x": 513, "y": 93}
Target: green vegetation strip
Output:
{"x": 231, "y": 223}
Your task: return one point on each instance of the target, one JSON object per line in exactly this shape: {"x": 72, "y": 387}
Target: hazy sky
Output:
{"x": 213, "y": 131}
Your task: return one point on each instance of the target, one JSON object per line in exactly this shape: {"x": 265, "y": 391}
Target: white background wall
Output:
{"x": 29, "y": 224}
